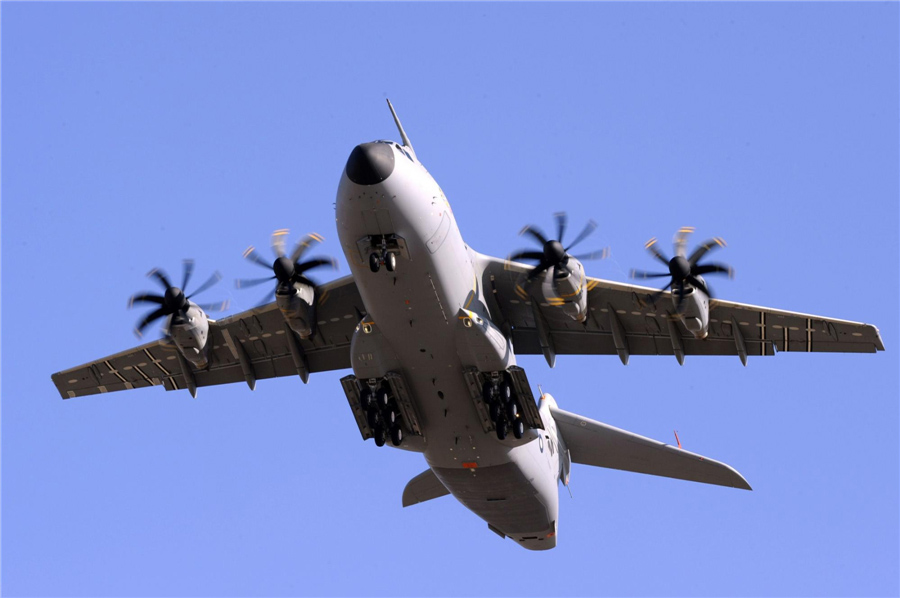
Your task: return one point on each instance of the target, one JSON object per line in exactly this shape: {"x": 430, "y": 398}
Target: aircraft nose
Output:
{"x": 370, "y": 163}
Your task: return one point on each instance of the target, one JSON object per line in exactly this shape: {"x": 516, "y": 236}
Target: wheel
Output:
{"x": 372, "y": 417}
{"x": 396, "y": 435}
{"x": 390, "y": 261}
{"x": 495, "y": 411}
{"x": 374, "y": 262}
{"x": 505, "y": 390}
{"x": 365, "y": 398}
{"x": 501, "y": 430}
{"x": 379, "y": 435}
{"x": 487, "y": 391}
{"x": 512, "y": 410}
{"x": 391, "y": 416}
{"x": 382, "y": 397}
{"x": 519, "y": 429}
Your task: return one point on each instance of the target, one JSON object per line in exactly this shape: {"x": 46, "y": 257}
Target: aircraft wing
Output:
{"x": 648, "y": 330}
{"x": 263, "y": 338}
{"x": 594, "y": 443}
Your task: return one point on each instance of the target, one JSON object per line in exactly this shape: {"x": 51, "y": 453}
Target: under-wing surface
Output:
{"x": 429, "y": 331}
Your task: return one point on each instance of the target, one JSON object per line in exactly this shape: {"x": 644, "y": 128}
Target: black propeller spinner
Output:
{"x": 286, "y": 269}
{"x": 554, "y": 254}
{"x": 174, "y": 301}
{"x": 684, "y": 269}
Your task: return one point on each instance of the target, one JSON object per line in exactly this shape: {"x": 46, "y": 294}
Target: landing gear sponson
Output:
{"x": 504, "y": 401}
{"x": 383, "y": 409}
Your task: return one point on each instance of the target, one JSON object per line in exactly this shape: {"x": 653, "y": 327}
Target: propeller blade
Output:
{"x": 304, "y": 244}
{"x": 145, "y": 298}
{"x": 590, "y": 227}
{"x": 220, "y": 306}
{"x": 706, "y": 247}
{"x": 278, "y": 241}
{"x": 699, "y": 284}
{"x": 153, "y": 315}
{"x": 254, "y": 257}
{"x": 680, "y": 296}
{"x": 216, "y": 277}
{"x": 313, "y": 264}
{"x": 160, "y": 276}
{"x": 561, "y": 220}
{"x": 246, "y": 283}
{"x": 644, "y": 274}
{"x": 712, "y": 269}
{"x": 655, "y": 251}
{"x": 659, "y": 293}
{"x": 535, "y": 233}
{"x": 681, "y": 238}
{"x": 537, "y": 271}
{"x": 305, "y": 280}
{"x": 602, "y": 254}
{"x": 187, "y": 267}
{"x": 270, "y": 296}
{"x": 527, "y": 255}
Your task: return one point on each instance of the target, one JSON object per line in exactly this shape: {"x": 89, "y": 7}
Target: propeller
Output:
{"x": 682, "y": 268}
{"x": 174, "y": 301}
{"x": 286, "y": 269}
{"x": 553, "y": 254}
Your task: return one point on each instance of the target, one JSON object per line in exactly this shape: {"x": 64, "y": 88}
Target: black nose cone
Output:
{"x": 370, "y": 163}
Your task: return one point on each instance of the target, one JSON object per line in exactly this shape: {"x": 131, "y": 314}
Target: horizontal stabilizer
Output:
{"x": 424, "y": 486}
{"x": 593, "y": 443}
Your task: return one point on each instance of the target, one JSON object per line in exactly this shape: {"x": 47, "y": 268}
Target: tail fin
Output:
{"x": 593, "y": 443}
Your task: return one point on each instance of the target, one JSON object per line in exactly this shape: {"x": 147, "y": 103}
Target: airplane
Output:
{"x": 431, "y": 330}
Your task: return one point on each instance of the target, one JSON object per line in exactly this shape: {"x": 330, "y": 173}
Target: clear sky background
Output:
{"x": 135, "y": 135}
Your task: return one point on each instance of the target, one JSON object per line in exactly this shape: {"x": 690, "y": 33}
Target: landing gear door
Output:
{"x": 351, "y": 390}
{"x": 523, "y": 390}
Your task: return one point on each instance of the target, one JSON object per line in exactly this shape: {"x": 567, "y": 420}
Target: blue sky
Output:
{"x": 135, "y": 135}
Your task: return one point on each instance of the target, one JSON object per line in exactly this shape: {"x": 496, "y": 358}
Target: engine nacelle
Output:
{"x": 190, "y": 331}
{"x": 567, "y": 290}
{"x": 695, "y": 310}
{"x": 298, "y": 308}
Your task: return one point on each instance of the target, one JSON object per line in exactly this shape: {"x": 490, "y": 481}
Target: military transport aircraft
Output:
{"x": 431, "y": 330}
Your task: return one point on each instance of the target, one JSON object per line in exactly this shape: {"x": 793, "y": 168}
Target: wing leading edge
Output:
{"x": 649, "y": 330}
{"x": 265, "y": 345}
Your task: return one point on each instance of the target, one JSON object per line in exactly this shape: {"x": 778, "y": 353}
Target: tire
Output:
{"x": 365, "y": 398}
{"x": 379, "y": 436}
{"x": 518, "y": 429}
{"x": 390, "y": 261}
{"x": 506, "y": 391}
{"x": 495, "y": 411}
{"x": 501, "y": 430}
{"x": 396, "y": 436}
{"x": 391, "y": 416}
{"x": 512, "y": 410}
{"x": 382, "y": 398}
{"x": 374, "y": 262}
{"x": 487, "y": 390}
{"x": 372, "y": 417}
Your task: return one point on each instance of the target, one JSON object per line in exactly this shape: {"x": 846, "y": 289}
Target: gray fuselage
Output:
{"x": 512, "y": 484}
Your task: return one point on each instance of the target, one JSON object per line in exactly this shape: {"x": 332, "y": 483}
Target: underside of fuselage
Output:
{"x": 387, "y": 203}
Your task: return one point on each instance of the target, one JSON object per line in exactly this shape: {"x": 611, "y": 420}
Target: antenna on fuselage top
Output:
{"x": 403, "y": 136}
